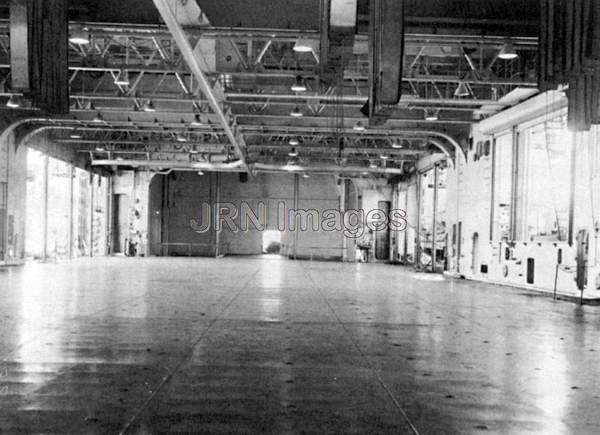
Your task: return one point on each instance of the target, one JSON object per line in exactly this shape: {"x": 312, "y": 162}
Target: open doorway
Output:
{"x": 475, "y": 253}
{"x": 432, "y": 219}
{"x": 119, "y": 223}
{"x": 271, "y": 242}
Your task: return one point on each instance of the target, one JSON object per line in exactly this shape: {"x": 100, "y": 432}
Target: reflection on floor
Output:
{"x": 259, "y": 345}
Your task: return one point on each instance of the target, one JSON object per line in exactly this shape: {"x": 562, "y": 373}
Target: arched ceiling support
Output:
{"x": 12, "y": 128}
{"x": 438, "y": 144}
{"x": 444, "y": 142}
{"x": 458, "y": 150}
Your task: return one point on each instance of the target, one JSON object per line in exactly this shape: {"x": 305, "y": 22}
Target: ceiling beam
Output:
{"x": 215, "y": 96}
{"x": 254, "y": 167}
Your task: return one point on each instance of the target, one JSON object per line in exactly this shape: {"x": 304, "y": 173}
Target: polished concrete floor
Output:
{"x": 261, "y": 345}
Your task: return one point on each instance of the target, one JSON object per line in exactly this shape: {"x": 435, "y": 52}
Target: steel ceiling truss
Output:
{"x": 434, "y": 67}
{"x": 200, "y": 145}
{"x": 254, "y": 75}
{"x": 369, "y": 152}
{"x": 256, "y": 62}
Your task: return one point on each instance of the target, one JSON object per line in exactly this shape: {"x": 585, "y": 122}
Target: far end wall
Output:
{"x": 177, "y": 198}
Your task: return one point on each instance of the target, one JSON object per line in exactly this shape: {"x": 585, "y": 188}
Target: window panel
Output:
{"x": 503, "y": 170}
{"x": 547, "y": 182}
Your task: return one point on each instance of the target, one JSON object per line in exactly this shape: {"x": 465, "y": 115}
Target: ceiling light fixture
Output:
{"x": 462, "y": 90}
{"x": 299, "y": 85}
{"x": 75, "y": 134}
{"x": 359, "y": 126}
{"x": 13, "y": 102}
{"x": 181, "y": 138}
{"x": 305, "y": 176}
{"x": 149, "y": 106}
{"x": 79, "y": 36}
{"x": 197, "y": 122}
{"x": 98, "y": 117}
{"x": 296, "y": 112}
{"x": 384, "y": 157}
{"x": 293, "y": 153}
{"x": 100, "y": 148}
{"x": 396, "y": 144}
{"x": 431, "y": 115}
{"x": 294, "y": 142}
{"x": 508, "y": 52}
{"x": 122, "y": 78}
{"x": 303, "y": 45}
{"x": 200, "y": 173}
{"x": 373, "y": 165}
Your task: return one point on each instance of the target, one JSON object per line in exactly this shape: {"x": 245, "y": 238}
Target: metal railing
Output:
{"x": 316, "y": 251}
{"x": 190, "y": 249}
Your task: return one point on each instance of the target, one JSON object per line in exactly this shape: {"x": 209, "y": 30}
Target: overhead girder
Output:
{"x": 212, "y": 92}
{"x": 137, "y": 120}
{"x": 138, "y": 50}
{"x": 158, "y": 74}
{"x": 189, "y": 149}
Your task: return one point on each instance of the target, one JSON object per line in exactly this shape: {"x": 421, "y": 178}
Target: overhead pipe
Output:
{"x": 62, "y": 123}
{"x": 237, "y": 166}
{"x": 355, "y": 119}
{"x": 251, "y": 98}
{"x": 216, "y": 100}
{"x": 263, "y": 167}
{"x": 357, "y": 99}
{"x": 252, "y": 129}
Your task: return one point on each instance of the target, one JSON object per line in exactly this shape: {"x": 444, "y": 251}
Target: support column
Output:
{"x": 418, "y": 235}
{"x": 394, "y": 236}
{"x": 296, "y": 202}
{"x": 574, "y": 143}
{"x": 45, "y": 207}
{"x": 343, "y": 207}
{"x": 109, "y": 217}
{"x": 514, "y": 221}
{"x": 4, "y": 179}
{"x": 71, "y": 210}
{"x": 405, "y": 232}
{"x": 92, "y": 178}
{"x": 434, "y": 230}
{"x": 216, "y": 211}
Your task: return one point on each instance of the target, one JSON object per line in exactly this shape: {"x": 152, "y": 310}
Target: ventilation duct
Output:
{"x": 48, "y": 55}
{"x": 386, "y": 38}
{"x": 338, "y": 29}
{"x": 570, "y": 55}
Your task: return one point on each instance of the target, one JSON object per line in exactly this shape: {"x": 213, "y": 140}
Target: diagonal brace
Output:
{"x": 215, "y": 96}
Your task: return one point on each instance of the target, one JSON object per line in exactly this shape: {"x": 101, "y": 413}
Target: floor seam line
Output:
{"x": 370, "y": 366}
{"x": 171, "y": 373}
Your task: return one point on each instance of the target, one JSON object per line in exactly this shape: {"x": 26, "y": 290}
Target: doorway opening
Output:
{"x": 475, "y": 253}
{"x": 119, "y": 223}
{"x": 271, "y": 242}
{"x": 432, "y": 220}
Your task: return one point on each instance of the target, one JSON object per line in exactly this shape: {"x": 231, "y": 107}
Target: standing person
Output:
{"x": 365, "y": 246}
